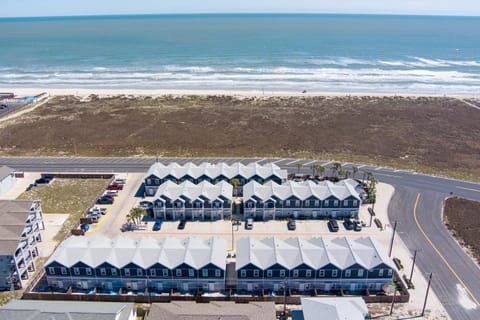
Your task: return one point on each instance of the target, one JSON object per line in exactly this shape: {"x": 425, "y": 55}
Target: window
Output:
{"x": 103, "y": 271}
{"x": 390, "y": 272}
{"x": 113, "y": 271}
{"x": 256, "y": 273}
{"x": 297, "y": 203}
{"x": 269, "y": 273}
{"x": 360, "y": 272}
{"x": 317, "y": 203}
{"x": 249, "y": 204}
{"x": 190, "y": 273}
{"x": 308, "y": 273}
{"x": 355, "y": 203}
{"x": 307, "y": 203}
{"x": 380, "y": 273}
{"x": 243, "y": 273}
{"x": 165, "y": 272}
{"x": 295, "y": 273}
{"x": 51, "y": 270}
{"x": 335, "y": 203}
{"x": 88, "y": 271}
{"x": 63, "y": 270}
{"x": 345, "y": 203}
{"x": 76, "y": 271}
{"x": 139, "y": 272}
{"x": 205, "y": 273}
{"x": 153, "y": 273}
{"x": 348, "y": 273}
{"x": 282, "y": 273}
{"x": 157, "y": 182}
{"x": 127, "y": 272}
{"x": 325, "y": 203}
{"x": 218, "y": 274}
{"x": 334, "y": 273}
{"x": 178, "y": 272}
{"x": 321, "y": 273}
{"x": 216, "y": 204}
{"x": 197, "y": 204}
{"x": 287, "y": 203}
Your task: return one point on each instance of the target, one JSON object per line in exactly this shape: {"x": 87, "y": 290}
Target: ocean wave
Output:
{"x": 396, "y": 78}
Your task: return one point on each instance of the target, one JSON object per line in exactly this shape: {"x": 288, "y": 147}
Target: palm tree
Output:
{"x": 354, "y": 170}
{"x": 136, "y": 215}
{"x": 335, "y": 168}
{"x": 235, "y": 183}
{"x": 347, "y": 173}
{"x": 314, "y": 169}
{"x": 321, "y": 170}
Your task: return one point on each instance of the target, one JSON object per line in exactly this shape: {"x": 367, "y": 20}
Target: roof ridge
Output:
{"x": 354, "y": 254}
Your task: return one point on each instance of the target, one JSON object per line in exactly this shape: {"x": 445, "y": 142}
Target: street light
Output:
{"x": 426, "y": 295}
{"x": 393, "y": 237}
{"x": 413, "y": 266}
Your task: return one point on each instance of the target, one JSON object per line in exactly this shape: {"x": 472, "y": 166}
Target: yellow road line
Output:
{"x": 469, "y": 189}
{"x": 438, "y": 252}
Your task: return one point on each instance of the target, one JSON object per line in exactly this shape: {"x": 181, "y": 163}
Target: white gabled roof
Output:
{"x": 194, "y": 191}
{"x": 316, "y": 252}
{"x": 302, "y": 190}
{"x": 345, "y": 308}
{"x": 144, "y": 252}
{"x": 216, "y": 170}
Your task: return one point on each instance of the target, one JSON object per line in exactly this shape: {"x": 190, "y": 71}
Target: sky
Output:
{"x": 32, "y": 8}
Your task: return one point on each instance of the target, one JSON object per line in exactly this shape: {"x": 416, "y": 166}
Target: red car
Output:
{"x": 115, "y": 186}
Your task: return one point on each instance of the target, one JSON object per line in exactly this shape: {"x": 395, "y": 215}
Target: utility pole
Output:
{"x": 393, "y": 300}
{"x": 233, "y": 241}
{"x": 426, "y": 295}
{"x": 393, "y": 237}
{"x": 413, "y": 266}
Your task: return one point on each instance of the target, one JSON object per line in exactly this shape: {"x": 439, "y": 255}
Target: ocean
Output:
{"x": 293, "y": 53}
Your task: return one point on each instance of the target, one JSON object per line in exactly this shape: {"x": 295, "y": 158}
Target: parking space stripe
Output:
{"x": 308, "y": 163}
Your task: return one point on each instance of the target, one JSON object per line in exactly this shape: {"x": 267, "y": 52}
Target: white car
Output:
{"x": 113, "y": 193}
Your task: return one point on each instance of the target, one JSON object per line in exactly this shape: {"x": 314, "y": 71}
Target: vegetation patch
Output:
{"x": 72, "y": 196}
{"x": 462, "y": 218}
{"x": 429, "y": 134}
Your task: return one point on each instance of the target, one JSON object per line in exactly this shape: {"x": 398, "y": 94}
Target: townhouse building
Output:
{"x": 20, "y": 225}
{"x": 138, "y": 264}
{"x": 213, "y": 173}
{"x": 188, "y": 201}
{"x": 327, "y": 266}
{"x": 301, "y": 200}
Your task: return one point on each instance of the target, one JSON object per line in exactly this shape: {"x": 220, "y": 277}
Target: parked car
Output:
{"x": 181, "y": 224}
{"x": 105, "y": 200}
{"x": 43, "y": 180}
{"x": 115, "y": 186}
{"x": 357, "y": 225}
{"x": 249, "y": 224}
{"x": 85, "y": 227}
{"x": 291, "y": 225}
{"x": 348, "y": 224}
{"x": 113, "y": 193}
{"x": 29, "y": 187}
{"x": 99, "y": 210}
{"x": 158, "y": 225}
{"x": 333, "y": 225}
{"x": 3, "y": 106}
{"x": 120, "y": 181}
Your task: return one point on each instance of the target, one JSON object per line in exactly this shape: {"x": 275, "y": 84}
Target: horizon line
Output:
{"x": 238, "y": 14}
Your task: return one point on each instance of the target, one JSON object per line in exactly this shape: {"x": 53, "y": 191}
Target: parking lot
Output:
{"x": 111, "y": 223}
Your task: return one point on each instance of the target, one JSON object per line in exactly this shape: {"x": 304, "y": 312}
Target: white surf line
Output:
{"x": 292, "y": 162}
{"x": 326, "y": 163}
{"x": 306, "y": 164}
{"x": 469, "y": 104}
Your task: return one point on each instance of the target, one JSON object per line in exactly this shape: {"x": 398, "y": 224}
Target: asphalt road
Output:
{"x": 416, "y": 206}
